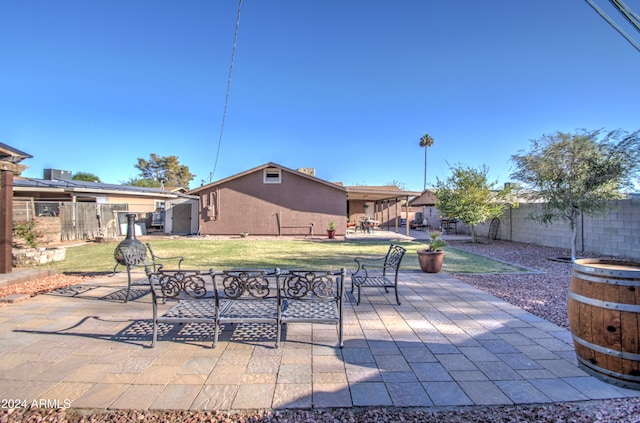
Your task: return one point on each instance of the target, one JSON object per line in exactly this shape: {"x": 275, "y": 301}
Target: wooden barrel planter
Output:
{"x": 604, "y": 315}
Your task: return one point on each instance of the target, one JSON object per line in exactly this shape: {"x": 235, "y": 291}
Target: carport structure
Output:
{"x": 385, "y": 204}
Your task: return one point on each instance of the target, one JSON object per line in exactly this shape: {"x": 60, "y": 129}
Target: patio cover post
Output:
{"x": 396, "y": 213}
{"x": 406, "y": 205}
{"x": 388, "y": 215}
{"x": 6, "y": 214}
{"x": 9, "y": 159}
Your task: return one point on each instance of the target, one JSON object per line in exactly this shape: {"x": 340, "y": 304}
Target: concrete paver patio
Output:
{"x": 448, "y": 344}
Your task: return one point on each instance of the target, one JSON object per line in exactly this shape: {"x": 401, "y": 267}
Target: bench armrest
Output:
{"x": 179, "y": 258}
{"x": 366, "y": 263}
{"x": 154, "y": 257}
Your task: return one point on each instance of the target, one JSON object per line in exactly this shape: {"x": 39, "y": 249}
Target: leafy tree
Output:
{"x": 426, "y": 141}
{"x": 85, "y": 176}
{"x": 395, "y": 183}
{"x": 575, "y": 174}
{"x": 142, "y": 182}
{"x": 467, "y": 195}
{"x": 164, "y": 170}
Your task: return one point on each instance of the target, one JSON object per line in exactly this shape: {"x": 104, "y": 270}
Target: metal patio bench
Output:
{"x": 380, "y": 272}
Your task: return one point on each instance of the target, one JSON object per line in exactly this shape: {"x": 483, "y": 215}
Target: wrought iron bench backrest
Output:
{"x": 313, "y": 285}
{"x": 394, "y": 258}
{"x": 180, "y": 284}
{"x": 246, "y": 284}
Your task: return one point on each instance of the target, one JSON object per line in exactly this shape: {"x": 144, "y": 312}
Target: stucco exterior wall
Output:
{"x": 617, "y": 233}
{"x": 298, "y": 206}
{"x": 137, "y": 204}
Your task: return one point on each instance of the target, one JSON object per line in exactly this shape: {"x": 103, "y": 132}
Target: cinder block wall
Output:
{"x": 617, "y": 233}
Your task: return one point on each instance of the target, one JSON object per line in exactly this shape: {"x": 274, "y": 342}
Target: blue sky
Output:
{"x": 345, "y": 87}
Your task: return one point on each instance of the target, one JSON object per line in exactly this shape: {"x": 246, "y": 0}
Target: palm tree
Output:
{"x": 426, "y": 141}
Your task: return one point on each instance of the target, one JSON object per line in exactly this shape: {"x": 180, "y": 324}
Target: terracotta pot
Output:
{"x": 430, "y": 261}
{"x": 331, "y": 233}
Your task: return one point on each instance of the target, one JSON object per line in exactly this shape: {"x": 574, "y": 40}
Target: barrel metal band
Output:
{"x": 632, "y": 308}
{"x": 602, "y": 279}
{"x": 619, "y": 376}
{"x": 608, "y": 351}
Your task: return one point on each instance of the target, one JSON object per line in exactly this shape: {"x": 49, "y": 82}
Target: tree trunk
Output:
{"x": 574, "y": 235}
{"x": 474, "y": 236}
{"x": 425, "y": 167}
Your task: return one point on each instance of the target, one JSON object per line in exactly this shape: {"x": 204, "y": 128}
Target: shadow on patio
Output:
{"x": 448, "y": 344}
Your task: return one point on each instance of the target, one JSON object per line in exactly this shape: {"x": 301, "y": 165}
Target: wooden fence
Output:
{"x": 78, "y": 221}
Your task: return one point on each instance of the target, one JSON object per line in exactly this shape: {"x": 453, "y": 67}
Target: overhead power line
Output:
{"x": 226, "y": 99}
{"x": 628, "y": 13}
{"x": 611, "y": 22}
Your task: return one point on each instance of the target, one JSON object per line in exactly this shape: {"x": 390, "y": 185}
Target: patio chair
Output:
{"x": 246, "y": 296}
{"x": 380, "y": 272}
{"x": 190, "y": 292}
{"x": 312, "y": 296}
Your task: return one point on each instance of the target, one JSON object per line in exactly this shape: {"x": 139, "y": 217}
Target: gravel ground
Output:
{"x": 543, "y": 293}
{"x": 39, "y": 286}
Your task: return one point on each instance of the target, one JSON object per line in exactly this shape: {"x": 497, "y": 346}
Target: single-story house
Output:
{"x": 425, "y": 204}
{"x": 89, "y": 208}
{"x": 271, "y": 200}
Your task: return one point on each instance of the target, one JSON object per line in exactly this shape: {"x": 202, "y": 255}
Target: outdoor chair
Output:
{"x": 246, "y": 296}
{"x": 311, "y": 296}
{"x": 190, "y": 294}
{"x": 380, "y": 272}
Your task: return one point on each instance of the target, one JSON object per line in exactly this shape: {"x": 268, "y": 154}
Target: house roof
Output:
{"x": 378, "y": 193}
{"x": 426, "y": 199}
{"x": 266, "y": 166}
{"x": 367, "y": 193}
{"x": 21, "y": 184}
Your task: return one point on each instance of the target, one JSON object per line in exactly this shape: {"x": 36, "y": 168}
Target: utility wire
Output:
{"x": 628, "y": 13}
{"x": 226, "y": 100}
{"x": 613, "y": 24}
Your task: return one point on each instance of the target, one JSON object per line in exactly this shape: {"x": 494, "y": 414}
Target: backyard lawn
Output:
{"x": 286, "y": 254}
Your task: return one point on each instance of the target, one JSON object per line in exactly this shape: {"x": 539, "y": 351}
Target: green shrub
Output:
{"x": 27, "y": 232}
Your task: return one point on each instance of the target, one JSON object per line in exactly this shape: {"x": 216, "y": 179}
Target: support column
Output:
{"x": 388, "y": 215}
{"x": 407, "y": 213}
{"x": 6, "y": 220}
{"x": 396, "y": 214}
